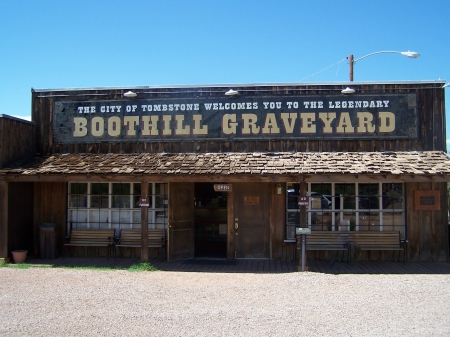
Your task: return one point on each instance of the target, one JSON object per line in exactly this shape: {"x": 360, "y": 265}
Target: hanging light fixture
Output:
{"x": 348, "y": 91}
{"x": 232, "y": 92}
{"x": 130, "y": 94}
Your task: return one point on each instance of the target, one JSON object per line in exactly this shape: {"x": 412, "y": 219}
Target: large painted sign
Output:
{"x": 242, "y": 118}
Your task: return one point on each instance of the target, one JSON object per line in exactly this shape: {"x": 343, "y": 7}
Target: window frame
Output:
{"x": 81, "y": 213}
{"x": 353, "y": 218}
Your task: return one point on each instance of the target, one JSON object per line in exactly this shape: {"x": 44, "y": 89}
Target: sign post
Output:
{"x": 303, "y": 201}
{"x": 144, "y": 203}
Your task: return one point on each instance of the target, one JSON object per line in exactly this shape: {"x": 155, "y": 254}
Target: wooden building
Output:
{"x": 231, "y": 173}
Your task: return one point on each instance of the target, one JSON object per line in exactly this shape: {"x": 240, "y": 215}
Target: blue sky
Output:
{"x": 106, "y": 43}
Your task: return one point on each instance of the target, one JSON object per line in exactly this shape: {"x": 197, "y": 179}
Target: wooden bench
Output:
{"x": 132, "y": 238}
{"x": 81, "y": 237}
{"x": 327, "y": 240}
{"x": 380, "y": 241}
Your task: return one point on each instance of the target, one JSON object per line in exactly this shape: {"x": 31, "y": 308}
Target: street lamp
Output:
{"x": 352, "y": 61}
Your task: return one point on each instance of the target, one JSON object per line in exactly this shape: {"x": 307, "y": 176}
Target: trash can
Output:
{"x": 47, "y": 240}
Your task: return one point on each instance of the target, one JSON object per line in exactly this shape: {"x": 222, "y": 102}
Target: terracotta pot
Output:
{"x": 19, "y": 256}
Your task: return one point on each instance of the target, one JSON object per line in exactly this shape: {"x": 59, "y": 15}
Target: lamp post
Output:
{"x": 352, "y": 61}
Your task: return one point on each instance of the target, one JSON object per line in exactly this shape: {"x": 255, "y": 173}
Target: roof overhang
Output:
{"x": 417, "y": 166}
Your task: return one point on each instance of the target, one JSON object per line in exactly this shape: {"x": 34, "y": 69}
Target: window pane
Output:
{"x": 320, "y": 195}
{"x": 368, "y": 196}
{"x": 99, "y": 188}
{"x": 161, "y": 189}
{"x": 78, "y": 188}
{"x": 76, "y": 200}
{"x": 393, "y": 196}
{"x": 137, "y": 189}
{"x": 120, "y": 201}
{"x": 121, "y": 195}
{"x": 292, "y": 221}
{"x": 99, "y": 195}
{"x": 293, "y": 192}
{"x": 344, "y": 196}
{"x": 78, "y": 195}
{"x": 161, "y": 195}
{"x": 121, "y": 189}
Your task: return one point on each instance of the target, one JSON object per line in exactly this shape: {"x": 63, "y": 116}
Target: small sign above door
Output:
{"x": 223, "y": 187}
{"x": 251, "y": 200}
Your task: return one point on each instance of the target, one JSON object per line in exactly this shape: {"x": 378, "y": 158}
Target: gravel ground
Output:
{"x": 61, "y": 302}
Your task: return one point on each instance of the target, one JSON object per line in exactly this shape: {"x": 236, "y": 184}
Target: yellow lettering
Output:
{"x": 181, "y": 130}
{"x": 167, "y": 131}
{"x": 289, "y": 121}
{"x": 130, "y": 122}
{"x": 150, "y": 125}
{"x": 345, "y": 124}
{"x": 365, "y": 122}
{"x": 199, "y": 129}
{"x": 327, "y": 118}
{"x": 307, "y": 122}
{"x": 249, "y": 124}
{"x": 270, "y": 126}
{"x": 387, "y": 121}
{"x": 79, "y": 127}
{"x": 229, "y": 124}
{"x": 97, "y": 126}
{"x": 114, "y": 126}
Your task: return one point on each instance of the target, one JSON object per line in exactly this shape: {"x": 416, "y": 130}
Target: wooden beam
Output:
{"x": 231, "y": 231}
{"x": 3, "y": 220}
{"x": 230, "y": 178}
{"x": 144, "y": 222}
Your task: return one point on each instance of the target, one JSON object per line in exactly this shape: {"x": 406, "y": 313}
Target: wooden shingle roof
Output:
{"x": 279, "y": 163}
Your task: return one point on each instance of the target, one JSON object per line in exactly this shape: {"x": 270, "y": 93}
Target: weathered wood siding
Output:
{"x": 427, "y": 230}
{"x": 50, "y": 206}
{"x": 4, "y": 219}
{"x": 430, "y": 105}
{"x": 17, "y": 140}
{"x": 20, "y": 217}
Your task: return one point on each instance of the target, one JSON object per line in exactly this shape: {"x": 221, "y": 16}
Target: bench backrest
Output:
{"x": 84, "y": 235}
{"x": 391, "y": 238}
{"x": 324, "y": 237}
{"x": 133, "y": 236}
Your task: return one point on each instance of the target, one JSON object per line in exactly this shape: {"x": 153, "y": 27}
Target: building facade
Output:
{"x": 231, "y": 173}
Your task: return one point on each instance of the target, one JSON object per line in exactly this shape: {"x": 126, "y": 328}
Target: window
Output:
{"x": 115, "y": 205}
{"x": 348, "y": 207}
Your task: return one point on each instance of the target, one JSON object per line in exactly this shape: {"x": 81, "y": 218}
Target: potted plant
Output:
{"x": 19, "y": 256}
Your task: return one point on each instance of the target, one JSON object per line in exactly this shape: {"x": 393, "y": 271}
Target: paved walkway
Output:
{"x": 258, "y": 266}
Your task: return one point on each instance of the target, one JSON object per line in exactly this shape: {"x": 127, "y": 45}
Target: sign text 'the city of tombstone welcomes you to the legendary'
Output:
{"x": 283, "y": 117}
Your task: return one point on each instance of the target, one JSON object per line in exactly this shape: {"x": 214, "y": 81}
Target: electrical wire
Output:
{"x": 318, "y": 72}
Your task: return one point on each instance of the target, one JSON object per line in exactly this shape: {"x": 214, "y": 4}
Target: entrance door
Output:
{"x": 252, "y": 211}
{"x": 181, "y": 221}
{"x": 210, "y": 221}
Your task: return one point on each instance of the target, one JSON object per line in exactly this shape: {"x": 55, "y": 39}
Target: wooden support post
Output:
{"x": 303, "y": 224}
{"x": 3, "y": 220}
{"x": 144, "y": 222}
{"x": 231, "y": 251}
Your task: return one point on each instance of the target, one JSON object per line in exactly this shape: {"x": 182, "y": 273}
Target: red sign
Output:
{"x": 303, "y": 201}
{"x": 144, "y": 202}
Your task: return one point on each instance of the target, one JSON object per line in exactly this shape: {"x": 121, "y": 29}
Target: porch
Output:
{"x": 253, "y": 265}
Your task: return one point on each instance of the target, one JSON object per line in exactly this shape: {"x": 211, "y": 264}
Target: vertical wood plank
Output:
{"x": 231, "y": 229}
{"x": 277, "y": 220}
{"x": 144, "y": 222}
{"x": 3, "y": 219}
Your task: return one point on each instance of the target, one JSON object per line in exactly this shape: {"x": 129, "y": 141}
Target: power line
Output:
{"x": 318, "y": 72}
